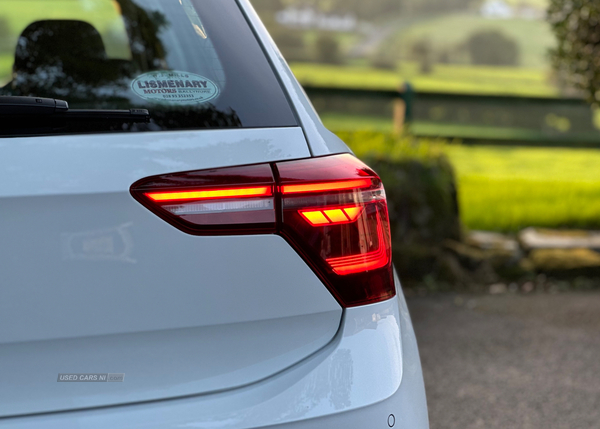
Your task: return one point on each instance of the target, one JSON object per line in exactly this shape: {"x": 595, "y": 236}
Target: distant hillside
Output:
{"x": 448, "y": 33}
{"x": 388, "y": 32}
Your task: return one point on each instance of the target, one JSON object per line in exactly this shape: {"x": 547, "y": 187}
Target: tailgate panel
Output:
{"x": 92, "y": 282}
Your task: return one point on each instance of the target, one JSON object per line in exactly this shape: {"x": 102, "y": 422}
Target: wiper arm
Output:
{"x": 53, "y": 108}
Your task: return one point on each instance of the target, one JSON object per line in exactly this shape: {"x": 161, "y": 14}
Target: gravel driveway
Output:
{"x": 510, "y": 361}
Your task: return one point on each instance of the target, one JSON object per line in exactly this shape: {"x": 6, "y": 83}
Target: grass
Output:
{"x": 466, "y": 131}
{"x": 507, "y": 189}
{"x": 341, "y": 121}
{"x": 345, "y": 122}
{"x": 447, "y": 78}
{"x": 369, "y": 144}
{"x": 453, "y": 131}
{"x": 510, "y": 205}
{"x": 346, "y": 76}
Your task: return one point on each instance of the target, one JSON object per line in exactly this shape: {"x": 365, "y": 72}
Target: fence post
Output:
{"x": 403, "y": 105}
{"x": 399, "y": 115}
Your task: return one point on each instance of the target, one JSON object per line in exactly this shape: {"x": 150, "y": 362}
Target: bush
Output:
{"x": 382, "y": 62}
{"x": 421, "y": 193}
{"x": 576, "y": 24}
{"x": 493, "y": 48}
{"x": 422, "y": 51}
{"x": 327, "y": 49}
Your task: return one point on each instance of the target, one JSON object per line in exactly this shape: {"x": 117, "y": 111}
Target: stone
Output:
{"x": 528, "y": 287}
{"x": 498, "y": 289}
{"x": 549, "y": 260}
{"x": 492, "y": 241}
{"x": 533, "y": 238}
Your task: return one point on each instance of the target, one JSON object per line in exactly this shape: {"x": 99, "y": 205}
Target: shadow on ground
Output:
{"x": 510, "y": 361}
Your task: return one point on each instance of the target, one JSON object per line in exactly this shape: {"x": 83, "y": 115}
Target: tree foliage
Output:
{"x": 290, "y": 43}
{"x": 576, "y": 24}
{"x": 327, "y": 49}
{"x": 422, "y": 51}
{"x": 491, "y": 47}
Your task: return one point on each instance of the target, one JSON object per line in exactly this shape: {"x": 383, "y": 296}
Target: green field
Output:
{"x": 340, "y": 121}
{"x": 507, "y": 189}
{"x": 450, "y": 78}
{"x": 345, "y": 122}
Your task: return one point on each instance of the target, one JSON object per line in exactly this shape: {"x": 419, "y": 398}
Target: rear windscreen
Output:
{"x": 192, "y": 64}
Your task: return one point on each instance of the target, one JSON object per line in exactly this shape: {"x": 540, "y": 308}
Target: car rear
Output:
{"x": 226, "y": 264}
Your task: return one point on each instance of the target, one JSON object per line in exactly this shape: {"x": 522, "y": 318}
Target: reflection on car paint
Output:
{"x": 110, "y": 244}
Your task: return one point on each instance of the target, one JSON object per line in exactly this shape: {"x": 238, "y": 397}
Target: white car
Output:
{"x": 182, "y": 243}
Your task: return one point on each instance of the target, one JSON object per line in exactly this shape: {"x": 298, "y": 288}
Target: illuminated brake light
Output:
{"x": 224, "y": 201}
{"x": 363, "y": 262}
{"x": 262, "y": 191}
{"x": 327, "y": 186}
{"x": 332, "y": 216}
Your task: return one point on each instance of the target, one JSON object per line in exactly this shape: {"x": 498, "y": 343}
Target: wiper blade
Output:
{"x": 17, "y": 106}
{"x": 12, "y": 106}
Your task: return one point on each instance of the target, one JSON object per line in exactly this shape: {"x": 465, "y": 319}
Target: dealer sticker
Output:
{"x": 175, "y": 87}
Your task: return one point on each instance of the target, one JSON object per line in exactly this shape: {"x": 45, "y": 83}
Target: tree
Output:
{"x": 491, "y": 47}
{"x": 383, "y": 62}
{"x": 327, "y": 49}
{"x": 290, "y": 43}
{"x": 576, "y": 25}
{"x": 422, "y": 51}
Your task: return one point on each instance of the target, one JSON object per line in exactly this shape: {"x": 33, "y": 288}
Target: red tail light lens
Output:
{"x": 213, "y": 202}
{"x": 211, "y": 194}
{"x": 329, "y": 186}
{"x": 332, "y": 210}
{"x": 335, "y": 214}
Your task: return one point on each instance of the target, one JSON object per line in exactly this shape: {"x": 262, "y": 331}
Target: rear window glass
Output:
{"x": 192, "y": 64}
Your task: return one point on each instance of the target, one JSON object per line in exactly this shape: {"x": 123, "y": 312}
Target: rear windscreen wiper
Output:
{"x": 52, "y": 108}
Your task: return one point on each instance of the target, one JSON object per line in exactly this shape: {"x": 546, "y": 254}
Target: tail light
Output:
{"x": 335, "y": 214}
{"x": 332, "y": 210}
{"x": 225, "y": 201}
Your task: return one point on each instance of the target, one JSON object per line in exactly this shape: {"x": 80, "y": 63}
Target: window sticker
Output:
{"x": 175, "y": 87}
